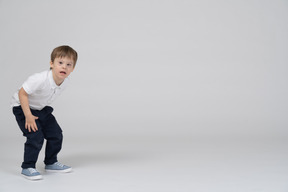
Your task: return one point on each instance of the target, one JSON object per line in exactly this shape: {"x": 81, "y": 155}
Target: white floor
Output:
{"x": 156, "y": 164}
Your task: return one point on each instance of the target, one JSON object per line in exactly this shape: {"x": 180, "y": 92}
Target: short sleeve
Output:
{"x": 33, "y": 83}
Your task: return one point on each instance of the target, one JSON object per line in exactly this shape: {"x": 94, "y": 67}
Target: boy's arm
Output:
{"x": 30, "y": 118}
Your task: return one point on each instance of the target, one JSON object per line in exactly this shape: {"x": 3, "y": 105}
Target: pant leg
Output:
{"x": 53, "y": 135}
{"x": 34, "y": 140}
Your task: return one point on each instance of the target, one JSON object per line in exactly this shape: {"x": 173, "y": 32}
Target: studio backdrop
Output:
{"x": 190, "y": 68}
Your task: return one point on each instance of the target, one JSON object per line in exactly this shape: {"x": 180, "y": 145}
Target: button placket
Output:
{"x": 52, "y": 95}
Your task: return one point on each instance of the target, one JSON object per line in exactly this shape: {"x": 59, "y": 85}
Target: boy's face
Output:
{"x": 61, "y": 68}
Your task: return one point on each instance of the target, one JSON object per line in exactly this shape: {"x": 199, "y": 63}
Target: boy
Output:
{"x": 34, "y": 115}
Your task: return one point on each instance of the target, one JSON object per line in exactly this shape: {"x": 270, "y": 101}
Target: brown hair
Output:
{"x": 64, "y": 51}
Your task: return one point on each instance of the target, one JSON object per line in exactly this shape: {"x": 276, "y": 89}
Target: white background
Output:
{"x": 170, "y": 72}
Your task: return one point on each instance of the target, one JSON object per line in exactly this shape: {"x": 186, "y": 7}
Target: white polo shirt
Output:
{"x": 41, "y": 89}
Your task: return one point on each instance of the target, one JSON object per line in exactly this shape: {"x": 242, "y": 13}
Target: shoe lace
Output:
{"x": 59, "y": 164}
{"x": 32, "y": 170}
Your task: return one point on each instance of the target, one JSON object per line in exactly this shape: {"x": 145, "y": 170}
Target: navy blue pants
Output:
{"x": 48, "y": 129}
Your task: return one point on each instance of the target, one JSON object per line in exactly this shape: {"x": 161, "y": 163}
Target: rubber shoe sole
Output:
{"x": 33, "y": 178}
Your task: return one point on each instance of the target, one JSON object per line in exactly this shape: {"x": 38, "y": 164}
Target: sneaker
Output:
{"x": 58, "y": 167}
{"x": 31, "y": 174}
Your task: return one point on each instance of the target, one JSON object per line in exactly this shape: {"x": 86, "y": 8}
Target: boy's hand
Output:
{"x": 30, "y": 123}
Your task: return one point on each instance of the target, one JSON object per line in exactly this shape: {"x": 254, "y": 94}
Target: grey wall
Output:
{"x": 194, "y": 68}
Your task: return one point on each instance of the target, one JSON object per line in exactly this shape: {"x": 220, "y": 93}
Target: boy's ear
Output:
{"x": 51, "y": 64}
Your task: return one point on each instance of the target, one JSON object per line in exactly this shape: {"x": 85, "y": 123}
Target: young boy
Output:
{"x": 34, "y": 115}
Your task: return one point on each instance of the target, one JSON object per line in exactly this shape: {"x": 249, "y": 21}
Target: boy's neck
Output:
{"x": 58, "y": 82}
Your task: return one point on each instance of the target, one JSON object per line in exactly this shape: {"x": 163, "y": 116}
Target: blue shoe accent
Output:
{"x": 58, "y": 167}
{"x": 31, "y": 174}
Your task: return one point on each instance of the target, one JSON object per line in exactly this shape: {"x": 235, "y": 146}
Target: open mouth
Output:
{"x": 63, "y": 72}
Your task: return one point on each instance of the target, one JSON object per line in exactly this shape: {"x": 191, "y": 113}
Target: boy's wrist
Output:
{"x": 28, "y": 115}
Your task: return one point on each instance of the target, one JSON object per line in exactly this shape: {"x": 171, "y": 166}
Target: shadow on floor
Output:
{"x": 87, "y": 159}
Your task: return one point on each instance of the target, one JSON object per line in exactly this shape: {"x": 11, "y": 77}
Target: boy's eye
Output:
{"x": 60, "y": 62}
